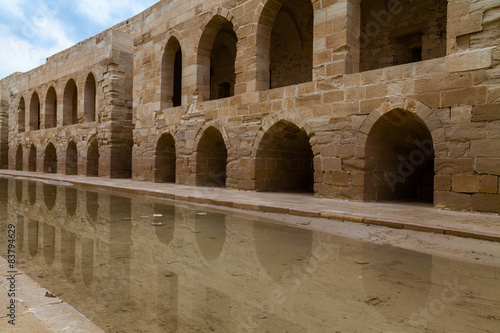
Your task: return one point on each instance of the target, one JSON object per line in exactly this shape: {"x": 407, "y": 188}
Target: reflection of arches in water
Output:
{"x": 71, "y": 197}
{"x": 382, "y": 278}
{"x": 20, "y": 232}
{"x": 283, "y": 251}
{"x": 68, "y": 245}
{"x": 92, "y": 204}
{"x": 167, "y": 300}
{"x": 87, "y": 260}
{"x": 49, "y": 195}
{"x": 32, "y": 192}
{"x": 49, "y": 243}
{"x": 165, "y": 231}
{"x": 19, "y": 191}
{"x": 33, "y": 237}
{"x": 210, "y": 234}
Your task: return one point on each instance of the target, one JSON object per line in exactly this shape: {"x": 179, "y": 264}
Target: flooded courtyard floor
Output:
{"x": 137, "y": 263}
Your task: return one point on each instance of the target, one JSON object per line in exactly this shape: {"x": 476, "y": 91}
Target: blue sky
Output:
{"x": 32, "y": 30}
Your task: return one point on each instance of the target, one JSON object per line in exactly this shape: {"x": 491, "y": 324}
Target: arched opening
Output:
{"x": 399, "y": 157}
{"x": 32, "y": 159}
{"x": 70, "y": 103}
{"x": 72, "y": 159}
{"x": 19, "y": 158}
{"x": 171, "y": 75}
{"x": 284, "y": 161}
{"x": 216, "y": 58}
{"x": 285, "y": 38}
{"x": 93, "y": 159}
{"x": 211, "y": 159}
{"x": 51, "y": 108}
{"x": 90, "y": 99}
{"x": 21, "y": 115}
{"x": 165, "y": 159}
{"x": 50, "y": 160}
{"x": 35, "y": 112}
{"x": 395, "y": 33}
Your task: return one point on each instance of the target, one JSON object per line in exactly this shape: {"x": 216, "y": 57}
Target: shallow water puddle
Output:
{"x": 137, "y": 264}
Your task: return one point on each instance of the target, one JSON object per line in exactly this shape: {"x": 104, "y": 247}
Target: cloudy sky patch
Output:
{"x": 32, "y": 30}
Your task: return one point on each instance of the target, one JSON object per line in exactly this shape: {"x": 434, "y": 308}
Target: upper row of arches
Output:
{"x": 40, "y": 113}
{"x": 286, "y": 58}
{"x": 390, "y": 33}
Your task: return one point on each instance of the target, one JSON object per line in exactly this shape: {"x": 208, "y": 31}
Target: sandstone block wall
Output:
{"x": 81, "y": 95}
{"x": 291, "y": 100}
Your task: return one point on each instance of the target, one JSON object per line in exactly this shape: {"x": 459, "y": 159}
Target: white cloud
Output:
{"x": 109, "y": 12}
{"x": 12, "y": 7}
{"x": 22, "y": 54}
{"x": 31, "y": 31}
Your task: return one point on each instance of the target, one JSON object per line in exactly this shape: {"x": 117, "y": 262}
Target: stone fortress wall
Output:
{"x": 347, "y": 99}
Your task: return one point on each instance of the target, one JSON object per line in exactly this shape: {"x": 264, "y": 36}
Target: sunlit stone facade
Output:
{"x": 346, "y": 99}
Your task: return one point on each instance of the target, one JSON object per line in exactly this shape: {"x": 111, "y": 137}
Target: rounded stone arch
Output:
{"x": 218, "y": 126}
{"x": 70, "y": 102}
{"x": 19, "y": 157}
{"x": 398, "y": 143}
{"x": 71, "y": 157}
{"x": 50, "y": 158}
{"x": 90, "y": 97}
{"x": 212, "y": 155}
{"x": 50, "y": 107}
{"x": 421, "y": 110}
{"x": 35, "y": 109}
{"x": 222, "y": 12}
{"x": 293, "y": 118}
{"x": 283, "y": 156}
{"x": 93, "y": 155}
{"x": 172, "y": 58}
{"x": 267, "y": 14}
{"x": 219, "y": 20}
{"x": 21, "y": 114}
{"x": 165, "y": 158}
{"x": 32, "y": 158}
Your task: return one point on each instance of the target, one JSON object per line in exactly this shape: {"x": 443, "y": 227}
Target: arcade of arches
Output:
{"x": 359, "y": 100}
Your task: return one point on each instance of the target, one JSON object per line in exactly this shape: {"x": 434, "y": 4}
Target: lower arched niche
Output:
{"x": 399, "y": 159}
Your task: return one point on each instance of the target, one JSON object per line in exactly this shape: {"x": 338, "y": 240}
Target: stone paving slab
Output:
{"x": 411, "y": 216}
